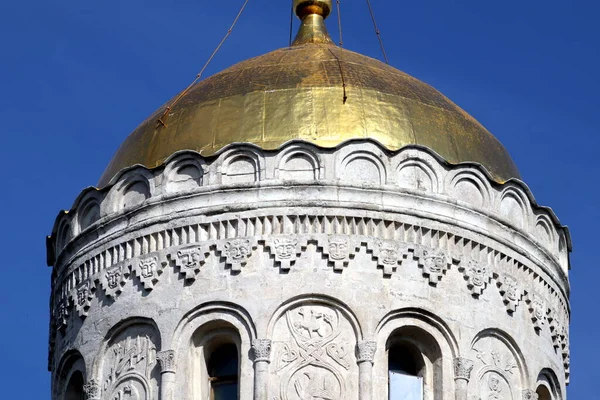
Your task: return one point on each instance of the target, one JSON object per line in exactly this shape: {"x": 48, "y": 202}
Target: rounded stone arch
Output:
{"x": 64, "y": 234}
{"x": 469, "y": 185}
{"x": 364, "y": 165}
{"x": 140, "y": 335}
{"x": 184, "y": 171}
{"x": 241, "y": 164}
{"x": 131, "y": 190}
{"x": 70, "y": 376}
{"x": 544, "y": 232}
{"x": 548, "y": 379}
{"x": 514, "y": 206}
{"x": 416, "y": 172}
{"x": 88, "y": 211}
{"x": 315, "y": 299}
{"x": 430, "y": 342}
{"x": 307, "y": 163}
{"x": 505, "y": 339}
{"x": 197, "y": 332}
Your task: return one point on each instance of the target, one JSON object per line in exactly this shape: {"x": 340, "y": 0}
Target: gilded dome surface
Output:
{"x": 298, "y": 93}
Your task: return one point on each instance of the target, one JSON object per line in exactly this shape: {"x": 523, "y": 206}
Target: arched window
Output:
{"x": 74, "y": 389}
{"x": 405, "y": 369}
{"x": 543, "y": 393}
{"x": 223, "y": 366}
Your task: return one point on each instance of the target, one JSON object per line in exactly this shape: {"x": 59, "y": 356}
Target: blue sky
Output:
{"x": 78, "y": 76}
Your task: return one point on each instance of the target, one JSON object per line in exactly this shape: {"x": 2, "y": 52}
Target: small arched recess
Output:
{"x": 70, "y": 378}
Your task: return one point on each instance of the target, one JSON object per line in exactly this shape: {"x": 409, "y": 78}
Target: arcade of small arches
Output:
{"x": 313, "y": 347}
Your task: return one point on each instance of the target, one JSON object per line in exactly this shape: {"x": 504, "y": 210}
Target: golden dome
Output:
{"x": 298, "y": 93}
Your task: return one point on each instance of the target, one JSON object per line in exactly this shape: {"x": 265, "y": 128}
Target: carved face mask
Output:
{"x": 285, "y": 249}
{"x": 338, "y": 248}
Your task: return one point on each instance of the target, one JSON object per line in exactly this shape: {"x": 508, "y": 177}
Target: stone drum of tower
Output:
{"x": 309, "y": 224}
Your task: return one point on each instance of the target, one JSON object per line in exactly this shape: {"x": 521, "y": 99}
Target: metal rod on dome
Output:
{"x": 163, "y": 118}
{"x": 377, "y": 32}
{"x": 341, "y": 59}
{"x": 292, "y": 11}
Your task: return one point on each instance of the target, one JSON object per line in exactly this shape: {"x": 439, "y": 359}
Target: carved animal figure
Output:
{"x": 318, "y": 388}
{"x": 311, "y": 323}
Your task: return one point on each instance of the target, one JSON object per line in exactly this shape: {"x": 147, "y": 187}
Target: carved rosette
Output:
{"x": 148, "y": 270}
{"x": 478, "y": 276}
{"x": 511, "y": 292}
{"x": 236, "y": 252}
{"x": 529, "y": 394}
{"x": 113, "y": 280}
{"x": 463, "y": 368}
{"x": 365, "y": 351}
{"x": 286, "y": 250}
{"x": 261, "y": 350}
{"x": 538, "y": 310}
{"x": 92, "y": 389}
{"x": 166, "y": 361}
{"x": 434, "y": 263}
{"x": 190, "y": 260}
{"x": 339, "y": 250}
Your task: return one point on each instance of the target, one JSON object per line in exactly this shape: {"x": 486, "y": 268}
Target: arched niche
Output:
{"x": 499, "y": 366}
{"x": 240, "y": 166}
{"x": 299, "y": 162}
{"x": 514, "y": 208}
{"x": 70, "y": 377}
{"x": 64, "y": 235}
{"x": 548, "y": 386}
{"x": 185, "y": 172}
{"x": 426, "y": 346}
{"x": 134, "y": 194}
{"x": 416, "y": 174}
{"x": 544, "y": 232}
{"x": 363, "y": 167}
{"x": 88, "y": 213}
{"x": 313, "y": 350}
{"x": 204, "y": 329}
{"x": 126, "y": 363}
{"x": 470, "y": 186}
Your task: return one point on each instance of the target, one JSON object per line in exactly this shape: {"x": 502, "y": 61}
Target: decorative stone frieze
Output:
{"x": 286, "y": 249}
{"x": 261, "y": 350}
{"x": 190, "y": 260}
{"x": 148, "y": 270}
{"x": 365, "y": 351}
{"x": 236, "y": 252}
{"x": 463, "y": 368}
{"x": 166, "y": 361}
{"x": 511, "y": 292}
{"x": 339, "y": 249}
{"x": 434, "y": 263}
{"x": 478, "y": 276}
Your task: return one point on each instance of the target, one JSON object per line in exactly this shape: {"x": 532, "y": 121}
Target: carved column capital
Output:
{"x": 261, "y": 350}
{"x": 463, "y": 368}
{"x": 365, "y": 351}
{"x": 529, "y": 394}
{"x": 92, "y": 389}
{"x": 166, "y": 361}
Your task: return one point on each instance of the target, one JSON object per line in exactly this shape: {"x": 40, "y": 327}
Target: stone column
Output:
{"x": 462, "y": 375}
{"x": 92, "y": 390}
{"x": 166, "y": 361}
{"x": 365, "y": 354}
{"x": 529, "y": 394}
{"x": 261, "y": 350}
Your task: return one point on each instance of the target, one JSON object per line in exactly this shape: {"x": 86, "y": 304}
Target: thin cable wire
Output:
{"x": 377, "y": 32}
{"x": 340, "y": 60}
{"x": 291, "y": 22}
{"x": 162, "y": 119}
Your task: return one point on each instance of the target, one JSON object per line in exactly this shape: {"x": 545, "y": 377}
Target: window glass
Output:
{"x": 223, "y": 371}
{"x": 405, "y": 387}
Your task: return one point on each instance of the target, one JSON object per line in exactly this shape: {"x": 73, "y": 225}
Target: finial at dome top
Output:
{"x": 313, "y": 14}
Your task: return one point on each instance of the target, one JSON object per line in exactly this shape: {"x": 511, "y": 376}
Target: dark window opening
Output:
{"x": 223, "y": 366}
{"x": 403, "y": 374}
{"x": 543, "y": 393}
{"x": 75, "y": 387}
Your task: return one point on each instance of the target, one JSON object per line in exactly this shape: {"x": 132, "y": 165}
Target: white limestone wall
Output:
{"x": 311, "y": 260}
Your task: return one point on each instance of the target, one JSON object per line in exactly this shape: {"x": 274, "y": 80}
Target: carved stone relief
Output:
{"x": 128, "y": 367}
{"x": 148, "y": 270}
{"x": 314, "y": 355}
{"x": 82, "y": 298}
{"x": 286, "y": 250}
{"x": 114, "y": 279}
{"x": 463, "y": 368}
{"x": 529, "y": 394}
{"x": 339, "y": 249}
{"x": 538, "y": 310}
{"x": 190, "y": 260}
{"x": 388, "y": 253}
{"x": 236, "y": 252}
{"x": 478, "y": 276}
{"x": 434, "y": 263}
{"x": 511, "y": 292}
{"x": 92, "y": 389}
